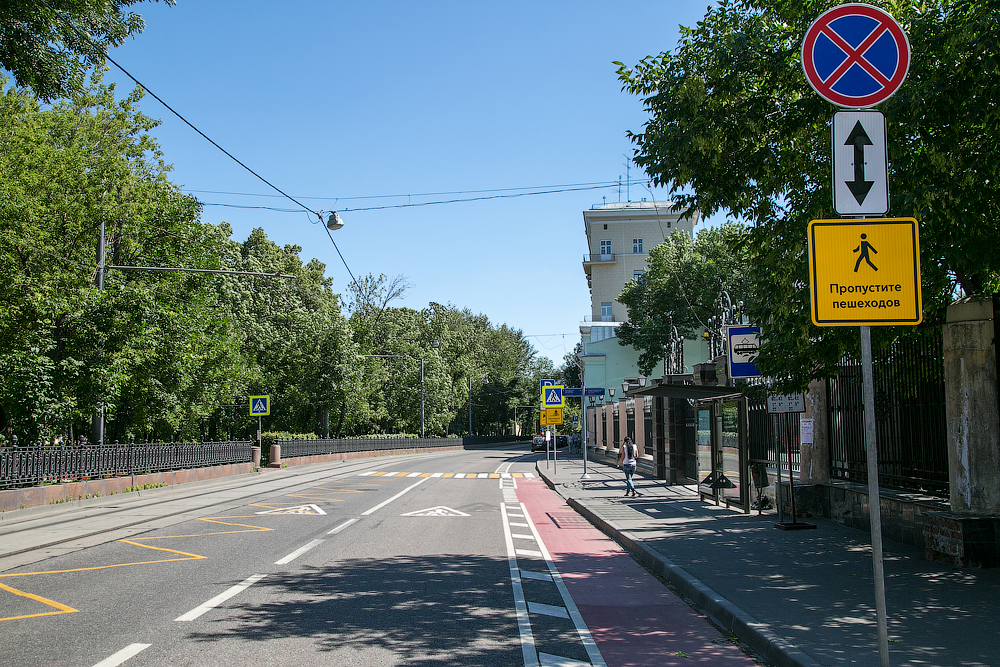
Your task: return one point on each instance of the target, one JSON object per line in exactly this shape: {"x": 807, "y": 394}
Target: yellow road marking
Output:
{"x": 308, "y": 497}
{"x": 379, "y": 474}
{"x": 62, "y": 609}
{"x": 425, "y": 474}
{"x": 448, "y": 474}
{"x": 494, "y": 475}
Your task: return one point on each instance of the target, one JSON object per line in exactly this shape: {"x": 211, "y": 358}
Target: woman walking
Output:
{"x": 626, "y": 461}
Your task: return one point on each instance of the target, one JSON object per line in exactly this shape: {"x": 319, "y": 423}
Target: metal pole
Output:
{"x": 583, "y": 409}
{"x": 98, "y": 424}
{"x": 470, "y": 405}
{"x": 791, "y": 482}
{"x": 874, "y": 501}
{"x": 421, "y": 398}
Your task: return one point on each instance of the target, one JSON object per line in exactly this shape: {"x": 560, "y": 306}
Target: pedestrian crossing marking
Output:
{"x": 451, "y": 475}
{"x": 440, "y": 510}
{"x": 550, "y": 660}
{"x": 528, "y": 552}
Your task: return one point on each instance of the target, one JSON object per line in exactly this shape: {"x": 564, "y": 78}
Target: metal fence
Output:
{"x": 909, "y": 414}
{"x": 294, "y": 448}
{"x": 29, "y": 466}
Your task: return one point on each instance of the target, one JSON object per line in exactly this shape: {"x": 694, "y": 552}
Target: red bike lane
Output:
{"x": 632, "y": 616}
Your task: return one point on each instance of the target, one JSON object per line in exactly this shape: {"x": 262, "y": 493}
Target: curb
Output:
{"x": 757, "y": 635}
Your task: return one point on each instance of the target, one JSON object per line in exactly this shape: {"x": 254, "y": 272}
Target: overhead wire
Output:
{"x": 86, "y": 37}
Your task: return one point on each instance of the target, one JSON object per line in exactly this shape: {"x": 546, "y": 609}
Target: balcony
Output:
{"x": 595, "y": 260}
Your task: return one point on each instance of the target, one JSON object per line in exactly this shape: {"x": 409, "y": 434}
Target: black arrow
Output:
{"x": 859, "y": 139}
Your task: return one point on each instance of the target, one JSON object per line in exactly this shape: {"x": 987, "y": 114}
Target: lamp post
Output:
{"x": 421, "y": 360}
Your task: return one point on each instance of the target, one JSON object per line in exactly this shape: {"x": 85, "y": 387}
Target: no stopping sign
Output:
{"x": 855, "y": 55}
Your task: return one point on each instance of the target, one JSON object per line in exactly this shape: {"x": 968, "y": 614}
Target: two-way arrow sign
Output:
{"x": 860, "y": 167}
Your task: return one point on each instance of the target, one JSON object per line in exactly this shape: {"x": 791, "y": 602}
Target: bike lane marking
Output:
{"x": 632, "y": 616}
{"x": 220, "y": 598}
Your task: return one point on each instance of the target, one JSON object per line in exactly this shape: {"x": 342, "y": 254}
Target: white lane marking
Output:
{"x": 483, "y": 475}
{"x": 122, "y": 655}
{"x": 523, "y": 537}
{"x": 342, "y": 526}
{"x": 594, "y": 653}
{"x": 519, "y": 525}
{"x": 438, "y": 474}
{"x": 529, "y": 475}
{"x": 541, "y": 576}
{"x": 528, "y": 552}
{"x": 366, "y": 474}
{"x": 549, "y": 660}
{"x": 220, "y": 598}
{"x": 415, "y": 474}
{"x": 547, "y": 610}
{"x": 520, "y": 607}
{"x": 298, "y": 552}
{"x": 516, "y": 514}
{"x": 401, "y": 493}
{"x": 458, "y": 475}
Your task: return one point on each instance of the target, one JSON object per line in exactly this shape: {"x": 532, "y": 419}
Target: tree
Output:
{"x": 49, "y": 46}
{"x": 680, "y": 288}
{"x": 735, "y": 127}
{"x": 145, "y": 348}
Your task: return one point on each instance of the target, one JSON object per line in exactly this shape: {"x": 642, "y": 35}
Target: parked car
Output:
{"x": 538, "y": 442}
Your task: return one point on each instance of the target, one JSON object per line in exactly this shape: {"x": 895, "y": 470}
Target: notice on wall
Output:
{"x": 806, "y": 431}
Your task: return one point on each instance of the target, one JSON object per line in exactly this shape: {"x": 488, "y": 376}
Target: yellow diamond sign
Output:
{"x": 864, "y": 272}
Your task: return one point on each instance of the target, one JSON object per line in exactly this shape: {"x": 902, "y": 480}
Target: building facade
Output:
{"x": 619, "y": 238}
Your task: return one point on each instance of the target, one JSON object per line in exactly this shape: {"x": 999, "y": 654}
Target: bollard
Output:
{"x": 255, "y": 455}
{"x": 275, "y": 456}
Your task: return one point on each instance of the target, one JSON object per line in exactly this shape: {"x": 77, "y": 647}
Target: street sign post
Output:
{"x": 864, "y": 272}
{"x": 260, "y": 406}
{"x": 855, "y": 55}
{"x": 860, "y": 167}
{"x": 744, "y": 344}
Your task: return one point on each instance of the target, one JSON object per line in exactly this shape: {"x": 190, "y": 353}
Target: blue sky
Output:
{"x": 344, "y": 104}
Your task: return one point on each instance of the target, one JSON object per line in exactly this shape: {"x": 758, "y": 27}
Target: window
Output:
{"x": 606, "y": 312}
{"x": 605, "y": 247}
{"x": 637, "y": 246}
{"x": 637, "y": 275}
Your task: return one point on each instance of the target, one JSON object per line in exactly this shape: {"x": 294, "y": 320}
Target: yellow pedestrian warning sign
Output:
{"x": 864, "y": 272}
{"x": 260, "y": 406}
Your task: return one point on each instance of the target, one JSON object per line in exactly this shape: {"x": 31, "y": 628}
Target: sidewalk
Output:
{"x": 795, "y": 597}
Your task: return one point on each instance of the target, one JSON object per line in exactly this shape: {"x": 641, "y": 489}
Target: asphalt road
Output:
{"x": 348, "y": 567}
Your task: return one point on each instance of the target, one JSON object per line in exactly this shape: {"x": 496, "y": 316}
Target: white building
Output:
{"x": 619, "y": 237}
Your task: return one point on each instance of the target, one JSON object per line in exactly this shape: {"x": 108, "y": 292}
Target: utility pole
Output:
{"x": 97, "y": 430}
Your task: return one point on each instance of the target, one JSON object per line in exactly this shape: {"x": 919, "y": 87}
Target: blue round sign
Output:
{"x": 855, "y": 55}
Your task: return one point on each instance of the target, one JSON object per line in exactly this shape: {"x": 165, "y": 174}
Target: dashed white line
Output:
{"x": 528, "y": 652}
{"x": 547, "y": 610}
{"x": 549, "y": 660}
{"x": 219, "y": 599}
{"x": 520, "y": 525}
{"x": 523, "y": 537}
{"x": 342, "y": 526}
{"x": 298, "y": 552}
{"x": 401, "y": 493}
{"x": 531, "y": 574}
{"x": 528, "y": 552}
{"x": 122, "y": 655}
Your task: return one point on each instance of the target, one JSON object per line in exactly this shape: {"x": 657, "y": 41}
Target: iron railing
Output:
{"x": 30, "y": 466}
{"x": 911, "y": 426}
{"x": 295, "y": 448}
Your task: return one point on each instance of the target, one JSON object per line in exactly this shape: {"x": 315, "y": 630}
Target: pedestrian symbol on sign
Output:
{"x": 864, "y": 248}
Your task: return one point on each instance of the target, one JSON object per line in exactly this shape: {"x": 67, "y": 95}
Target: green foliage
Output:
{"x": 735, "y": 127}
{"x": 680, "y": 287}
{"x": 46, "y": 54}
{"x": 174, "y": 354}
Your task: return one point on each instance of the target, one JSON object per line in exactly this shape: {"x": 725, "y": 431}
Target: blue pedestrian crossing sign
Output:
{"x": 260, "y": 406}
{"x": 552, "y": 396}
